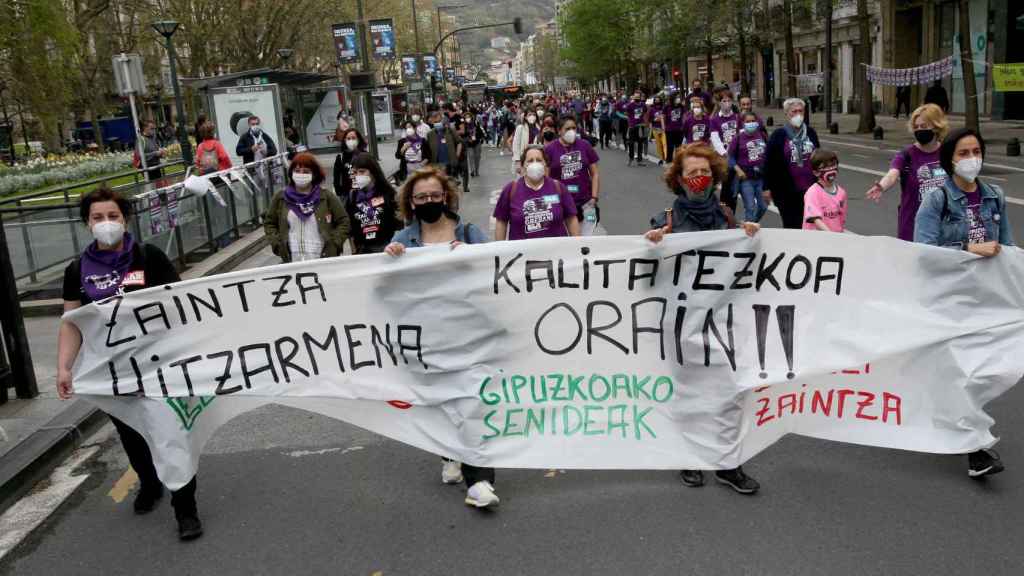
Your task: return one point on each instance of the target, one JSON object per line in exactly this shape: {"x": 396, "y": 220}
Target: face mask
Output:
{"x": 696, "y": 110}
{"x": 678, "y": 101}
{"x": 361, "y": 181}
{"x": 302, "y": 180}
{"x": 430, "y": 212}
{"x": 797, "y": 120}
{"x": 531, "y": 119}
{"x": 968, "y": 168}
{"x": 569, "y": 136}
{"x": 415, "y": 117}
{"x": 255, "y": 129}
{"x": 438, "y": 125}
{"x": 535, "y": 171}
{"x": 108, "y": 232}
{"x": 410, "y": 132}
{"x": 697, "y": 185}
{"x": 750, "y": 127}
{"x": 549, "y": 136}
{"x": 829, "y": 175}
{"x": 924, "y": 137}
{"x": 351, "y": 144}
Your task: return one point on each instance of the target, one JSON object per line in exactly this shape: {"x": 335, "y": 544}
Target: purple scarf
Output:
{"x": 103, "y": 270}
{"x": 303, "y": 205}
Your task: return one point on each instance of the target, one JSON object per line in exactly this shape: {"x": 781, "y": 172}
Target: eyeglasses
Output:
{"x": 429, "y": 197}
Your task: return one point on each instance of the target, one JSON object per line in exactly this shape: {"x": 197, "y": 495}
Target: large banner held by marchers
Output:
{"x": 600, "y": 352}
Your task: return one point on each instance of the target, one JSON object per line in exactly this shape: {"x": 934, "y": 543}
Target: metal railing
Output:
{"x": 42, "y": 238}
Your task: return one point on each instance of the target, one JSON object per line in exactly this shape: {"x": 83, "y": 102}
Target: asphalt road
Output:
{"x": 286, "y": 492}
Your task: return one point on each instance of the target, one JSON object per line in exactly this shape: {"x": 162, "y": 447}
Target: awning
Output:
{"x": 259, "y": 76}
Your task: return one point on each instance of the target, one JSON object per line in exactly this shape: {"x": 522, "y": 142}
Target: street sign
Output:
{"x": 128, "y": 76}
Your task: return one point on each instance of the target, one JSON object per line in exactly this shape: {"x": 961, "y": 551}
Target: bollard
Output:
{"x": 769, "y": 121}
{"x": 833, "y": 128}
{"x": 879, "y": 133}
{"x": 1013, "y": 147}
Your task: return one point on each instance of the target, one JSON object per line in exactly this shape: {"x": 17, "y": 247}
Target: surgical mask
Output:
{"x": 351, "y": 144}
{"x": 569, "y": 136}
{"x": 361, "y": 181}
{"x": 531, "y": 119}
{"x": 415, "y": 117}
{"x": 108, "y": 232}
{"x": 968, "y": 168}
{"x": 255, "y": 129}
{"x": 438, "y": 125}
{"x": 796, "y": 120}
{"x": 924, "y": 137}
{"x": 750, "y": 127}
{"x": 535, "y": 171}
{"x": 302, "y": 180}
{"x": 410, "y": 132}
{"x": 678, "y": 101}
{"x": 430, "y": 212}
{"x": 696, "y": 109}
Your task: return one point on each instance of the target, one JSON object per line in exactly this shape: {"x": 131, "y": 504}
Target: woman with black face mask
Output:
{"x": 428, "y": 202}
{"x": 917, "y": 167}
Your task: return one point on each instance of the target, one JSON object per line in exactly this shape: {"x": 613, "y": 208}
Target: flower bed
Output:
{"x": 55, "y": 170}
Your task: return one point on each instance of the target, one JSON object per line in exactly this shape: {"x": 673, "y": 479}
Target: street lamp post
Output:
{"x": 371, "y": 125}
{"x": 440, "y": 41}
{"x": 167, "y": 28}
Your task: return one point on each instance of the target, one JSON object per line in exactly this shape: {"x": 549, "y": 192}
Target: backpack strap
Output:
{"x": 905, "y": 170}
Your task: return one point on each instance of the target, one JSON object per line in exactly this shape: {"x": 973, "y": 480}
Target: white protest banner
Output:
{"x": 600, "y": 352}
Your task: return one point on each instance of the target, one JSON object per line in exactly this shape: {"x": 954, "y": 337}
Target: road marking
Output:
{"x": 28, "y": 513}
{"x": 123, "y": 485}
{"x": 304, "y": 453}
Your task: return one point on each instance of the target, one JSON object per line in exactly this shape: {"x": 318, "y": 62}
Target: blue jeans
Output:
{"x": 753, "y": 199}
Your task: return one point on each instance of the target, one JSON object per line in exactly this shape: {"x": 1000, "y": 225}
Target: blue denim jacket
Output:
{"x": 942, "y": 221}
{"x": 467, "y": 233}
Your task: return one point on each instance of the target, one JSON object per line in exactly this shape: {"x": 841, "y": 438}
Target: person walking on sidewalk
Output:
{"x": 967, "y": 214}
{"x": 305, "y": 221}
{"x": 787, "y": 166}
{"x": 917, "y": 167}
{"x": 746, "y": 154}
{"x": 255, "y": 144}
{"x": 475, "y": 137}
{"x": 352, "y": 143}
{"x": 604, "y": 122}
{"x": 429, "y": 202}
{"x": 636, "y": 116}
{"x": 210, "y": 153}
{"x": 695, "y": 172}
{"x": 528, "y": 133}
{"x": 574, "y": 164}
{"x": 724, "y": 124}
{"x": 115, "y": 263}
{"x": 411, "y": 151}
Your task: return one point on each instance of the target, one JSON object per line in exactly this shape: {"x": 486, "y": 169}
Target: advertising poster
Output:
{"x": 409, "y": 69}
{"x": 449, "y": 74}
{"x": 382, "y": 39}
{"x": 232, "y": 108}
{"x": 346, "y": 42}
{"x": 429, "y": 65}
{"x": 323, "y": 121}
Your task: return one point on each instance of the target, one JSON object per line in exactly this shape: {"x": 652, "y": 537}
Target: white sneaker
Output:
{"x": 482, "y": 495}
{"x": 451, "y": 472}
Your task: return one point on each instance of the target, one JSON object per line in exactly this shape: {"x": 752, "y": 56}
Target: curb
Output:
{"x": 34, "y": 458}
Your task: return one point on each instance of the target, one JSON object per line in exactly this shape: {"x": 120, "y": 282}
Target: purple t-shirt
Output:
{"x": 535, "y": 213}
{"x": 923, "y": 174}
{"x": 635, "y": 113}
{"x": 976, "y": 233}
{"x": 571, "y": 167}
{"x": 696, "y": 130}
{"x": 748, "y": 150}
{"x": 799, "y": 164}
{"x": 657, "y": 112}
{"x": 726, "y": 127}
{"x": 674, "y": 117}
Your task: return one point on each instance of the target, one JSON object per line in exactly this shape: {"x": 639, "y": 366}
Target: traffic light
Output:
{"x": 517, "y": 25}
{"x": 675, "y": 73}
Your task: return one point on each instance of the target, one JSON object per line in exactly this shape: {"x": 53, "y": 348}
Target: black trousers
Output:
{"x": 636, "y": 142}
{"x": 728, "y": 192}
{"x": 183, "y": 500}
{"x": 791, "y": 210}
{"x": 605, "y": 128}
{"x": 673, "y": 140}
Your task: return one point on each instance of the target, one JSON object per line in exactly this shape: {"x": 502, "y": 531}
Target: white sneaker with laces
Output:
{"x": 451, "y": 472}
{"x": 482, "y": 495}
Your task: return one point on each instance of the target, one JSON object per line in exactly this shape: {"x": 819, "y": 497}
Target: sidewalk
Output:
{"x": 36, "y": 434}
{"x": 996, "y": 133}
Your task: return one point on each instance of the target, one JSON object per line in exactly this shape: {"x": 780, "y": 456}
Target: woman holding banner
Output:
{"x": 966, "y": 214}
{"x": 429, "y": 201}
{"x": 692, "y": 176}
{"x": 113, "y": 264}
{"x": 535, "y": 206}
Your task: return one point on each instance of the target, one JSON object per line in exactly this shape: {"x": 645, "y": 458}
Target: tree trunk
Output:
{"x": 966, "y": 58}
{"x": 741, "y": 30}
{"x": 790, "y": 71}
{"x": 867, "y": 111}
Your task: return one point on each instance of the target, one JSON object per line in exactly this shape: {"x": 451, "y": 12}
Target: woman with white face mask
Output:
{"x": 535, "y": 206}
{"x": 113, "y": 264}
{"x": 787, "y": 166}
{"x": 352, "y": 143}
{"x": 966, "y": 214}
{"x": 574, "y": 165}
{"x": 305, "y": 221}
{"x": 372, "y": 207}
{"x": 412, "y": 151}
